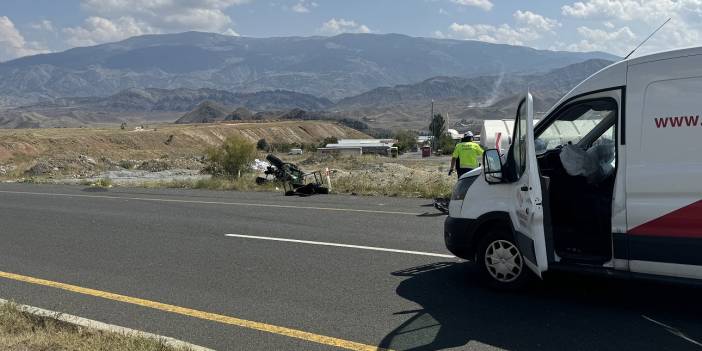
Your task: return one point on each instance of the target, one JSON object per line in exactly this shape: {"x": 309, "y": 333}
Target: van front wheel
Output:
{"x": 502, "y": 262}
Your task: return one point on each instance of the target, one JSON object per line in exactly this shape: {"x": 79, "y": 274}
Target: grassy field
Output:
{"x": 71, "y": 148}
{"x": 22, "y": 331}
{"x": 85, "y": 152}
{"x": 353, "y": 175}
{"x": 356, "y": 175}
{"x": 90, "y": 156}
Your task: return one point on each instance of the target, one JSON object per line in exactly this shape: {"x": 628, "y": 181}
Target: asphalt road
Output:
{"x": 170, "y": 246}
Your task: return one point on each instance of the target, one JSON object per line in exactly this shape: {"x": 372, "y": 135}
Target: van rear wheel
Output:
{"x": 502, "y": 262}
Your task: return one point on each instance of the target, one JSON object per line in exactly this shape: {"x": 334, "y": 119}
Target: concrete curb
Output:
{"x": 92, "y": 324}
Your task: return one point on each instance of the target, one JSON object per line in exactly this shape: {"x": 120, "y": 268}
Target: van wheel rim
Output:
{"x": 503, "y": 261}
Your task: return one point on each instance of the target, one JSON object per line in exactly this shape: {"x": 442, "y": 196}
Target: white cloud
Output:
{"x": 535, "y": 21}
{"x": 504, "y": 34}
{"x": 211, "y": 20}
{"x": 303, "y": 6}
{"x": 300, "y": 8}
{"x": 118, "y": 19}
{"x": 481, "y": 4}
{"x": 96, "y": 30}
{"x": 44, "y": 25}
{"x": 616, "y": 41}
{"x": 629, "y": 10}
{"x": 154, "y": 7}
{"x": 684, "y": 29}
{"x": 338, "y": 26}
{"x": 530, "y": 27}
{"x": 13, "y": 44}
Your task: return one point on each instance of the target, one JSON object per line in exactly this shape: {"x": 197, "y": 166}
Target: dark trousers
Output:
{"x": 461, "y": 171}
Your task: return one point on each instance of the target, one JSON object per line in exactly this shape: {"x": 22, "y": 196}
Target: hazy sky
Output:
{"x": 34, "y": 26}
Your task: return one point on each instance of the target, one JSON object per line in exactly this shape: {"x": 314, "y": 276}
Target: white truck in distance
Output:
{"x": 622, "y": 195}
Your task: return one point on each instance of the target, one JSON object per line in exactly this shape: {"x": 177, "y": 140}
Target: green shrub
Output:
{"x": 445, "y": 144}
{"x": 328, "y": 140}
{"x": 437, "y": 127}
{"x": 127, "y": 164}
{"x": 262, "y": 144}
{"x": 103, "y": 183}
{"x": 232, "y": 158}
{"x": 406, "y": 140}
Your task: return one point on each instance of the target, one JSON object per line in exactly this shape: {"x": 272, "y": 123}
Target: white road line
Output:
{"x": 420, "y": 253}
{"x": 672, "y": 330}
{"x": 212, "y": 202}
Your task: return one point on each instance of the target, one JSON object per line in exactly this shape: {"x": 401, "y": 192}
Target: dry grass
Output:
{"x": 245, "y": 183}
{"x": 23, "y": 331}
{"x": 382, "y": 176}
{"x": 66, "y": 149}
{"x": 357, "y": 175}
{"x": 393, "y": 180}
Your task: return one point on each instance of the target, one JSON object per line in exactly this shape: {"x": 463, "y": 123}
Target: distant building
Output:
{"x": 353, "y": 151}
{"x": 367, "y": 142}
{"x": 382, "y": 147}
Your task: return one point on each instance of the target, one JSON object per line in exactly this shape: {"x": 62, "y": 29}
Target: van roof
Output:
{"x": 663, "y": 55}
{"x": 615, "y": 74}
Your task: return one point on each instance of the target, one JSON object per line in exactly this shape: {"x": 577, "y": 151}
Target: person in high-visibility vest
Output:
{"x": 466, "y": 155}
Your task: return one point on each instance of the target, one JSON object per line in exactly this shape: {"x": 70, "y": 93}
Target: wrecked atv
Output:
{"x": 294, "y": 180}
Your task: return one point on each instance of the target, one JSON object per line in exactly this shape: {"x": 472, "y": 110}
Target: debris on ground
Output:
{"x": 260, "y": 165}
{"x": 442, "y": 204}
{"x": 295, "y": 181}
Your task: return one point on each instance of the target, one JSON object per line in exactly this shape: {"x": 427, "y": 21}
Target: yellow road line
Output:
{"x": 211, "y": 202}
{"x": 293, "y": 333}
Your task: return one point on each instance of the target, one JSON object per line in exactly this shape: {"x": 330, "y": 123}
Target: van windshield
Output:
{"x": 573, "y": 124}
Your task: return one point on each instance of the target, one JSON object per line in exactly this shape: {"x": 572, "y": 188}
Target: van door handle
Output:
{"x": 524, "y": 188}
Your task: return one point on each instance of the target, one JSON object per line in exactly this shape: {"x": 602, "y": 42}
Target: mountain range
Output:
{"x": 464, "y": 99}
{"x": 400, "y": 106}
{"x": 328, "y": 67}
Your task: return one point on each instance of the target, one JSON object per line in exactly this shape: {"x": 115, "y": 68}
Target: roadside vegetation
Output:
{"x": 382, "y": 176}
{"x": 406, "y": 140}
{"x": 20, "y": 330}
{"x": 354, "y": 175}
{"x": 231, "y": 159}
{"x": 408, "y": 186}
{"x": 194, "y": 157}
{"x": 246, "y": 182}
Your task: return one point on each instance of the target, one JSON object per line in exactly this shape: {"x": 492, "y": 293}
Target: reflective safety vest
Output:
{"x": 469, "y": 154}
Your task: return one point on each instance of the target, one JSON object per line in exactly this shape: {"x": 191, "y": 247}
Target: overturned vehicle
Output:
{"x": 294, "y": 180}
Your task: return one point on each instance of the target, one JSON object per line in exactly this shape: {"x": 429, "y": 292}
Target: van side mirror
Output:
{"x": 492, "y": 166}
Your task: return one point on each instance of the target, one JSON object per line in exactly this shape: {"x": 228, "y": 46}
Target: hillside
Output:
{"x": 152, "y": 99}
{"x": 463, "y": 99}
{"x": 329, "y": 67}
{"x": 206, "y": 112}
{"x": 481, "y": 91}
{"x": 400, "y": 106}
{"x": 80, "y": 151}
{"x": 148, "y": 105}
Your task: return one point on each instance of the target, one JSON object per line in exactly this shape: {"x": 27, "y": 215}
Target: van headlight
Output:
{"x": 461, "y": 188}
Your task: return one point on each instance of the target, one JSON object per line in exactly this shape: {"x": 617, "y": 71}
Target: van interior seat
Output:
{"x": 580, "y": 193}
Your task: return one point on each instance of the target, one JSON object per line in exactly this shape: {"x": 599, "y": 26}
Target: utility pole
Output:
{"x": 431, "y": 121}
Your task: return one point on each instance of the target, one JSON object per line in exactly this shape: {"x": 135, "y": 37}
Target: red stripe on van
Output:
{"x": 685, "y": 222}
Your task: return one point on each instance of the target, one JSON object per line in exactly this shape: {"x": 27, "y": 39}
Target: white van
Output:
{"x": 620, "y": 193}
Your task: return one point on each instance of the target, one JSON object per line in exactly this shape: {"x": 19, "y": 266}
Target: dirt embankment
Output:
{"x": 83, "y": 152}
